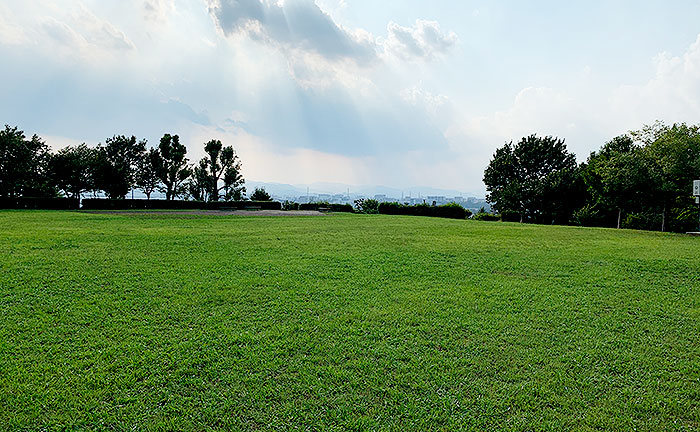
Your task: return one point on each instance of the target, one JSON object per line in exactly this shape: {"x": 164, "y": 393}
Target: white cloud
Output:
{"x": 79, "y": 33}
{"x": 263, "y": 160}
{"x": 157, "y": 10}
{"x": 417, "y": 96}
{"x": 424, "y": 41}
{"x": 671, "y": 95}
{"x": 99, "y": 32}
{"x": 292, "y": 24}
{"x": 10, "y": 32}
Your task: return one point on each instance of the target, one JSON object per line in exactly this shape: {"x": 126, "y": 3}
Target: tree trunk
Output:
{"x": 663, "y": 219}
{"x": 619, "y": 216}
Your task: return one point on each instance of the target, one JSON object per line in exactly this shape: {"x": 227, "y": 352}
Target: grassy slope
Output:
{"x": 344, "y": 322}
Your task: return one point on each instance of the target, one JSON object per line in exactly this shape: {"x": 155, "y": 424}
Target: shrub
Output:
{"x": 367, "y": 206}
{"x": 129, "y": 204}
{"x": 260, "y": 194}
{"x": 451, "y": 210}
{"x": 642, "y": 221}
{"x": 510, "y": 216}
{"x": 488, "y": 217}
{"x": 338, "y": 208}
{"x": 39, "y": 203}
{"x": 290, "y": 205}
{"x": 588, "y": 215}
{"x": 682, "y": 219}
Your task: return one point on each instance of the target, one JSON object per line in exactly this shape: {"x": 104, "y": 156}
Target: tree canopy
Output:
{"x": 534, "y": 178}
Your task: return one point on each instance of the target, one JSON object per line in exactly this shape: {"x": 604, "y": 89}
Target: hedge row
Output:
{"x": 140, "y": 204}
{"x": 39, "y": 203}
{"x": 452, "y": 211}
{"x": 338, "y": 208}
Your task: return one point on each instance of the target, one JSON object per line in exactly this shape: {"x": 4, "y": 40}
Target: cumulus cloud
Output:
{"x": 100, "y": 32}
{"x": 672, "y": 94}
{"x": 10, "y": 32}
{"x": 293, "y": 25}
{"x": 424, "y": 41}
{"x": 62, "y": 33}
{"x": 417, "y": 96}
{"x": 157, "y": 10}
{"x": 84, "y": 34}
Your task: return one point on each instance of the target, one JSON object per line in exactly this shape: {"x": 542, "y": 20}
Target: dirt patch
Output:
{"x": 209, "y": 212}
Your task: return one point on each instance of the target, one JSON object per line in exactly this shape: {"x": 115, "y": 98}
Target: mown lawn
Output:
{"x": 120, "y": 322}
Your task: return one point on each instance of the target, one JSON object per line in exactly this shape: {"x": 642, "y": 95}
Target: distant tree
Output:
{"x": 223, "y": 161}
{"x": 23, "y": 165}
{"x": 72, "y": 170}
{"x": 198, "y": 186}
{"x": 260, "y": 194}
{"x": 367, "y": 206}
{"x": 673, "y": 153}
{"x": 234, "y": 184}
{"x": 172, "y": 169}
{"x": 535, "y": 178}
{"x": 147, "y": 179}
{"x": 618, "y": 178}
{"x": 117, "y": 163}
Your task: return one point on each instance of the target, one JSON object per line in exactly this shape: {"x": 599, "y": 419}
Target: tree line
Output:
{"x": 639, "y": 180}
{"x": 29, "y": 169}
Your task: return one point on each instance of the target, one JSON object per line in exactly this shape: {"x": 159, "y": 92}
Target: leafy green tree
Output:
{"x": 172, "y": 169}
{"x": 674, "y": 152}
{"x": 223, "y": 161}
{"x": 536, "y": 177}
{"x": 147, "y": 178}
{"x": 117, "y": 164}
{"x": 260, "y": 194}
{"x": 72, "y": 170}
{"x": 198, "y": 186}
{"x": 23, "y": 165}
{"x": 234, "y": 184}
{"x": 367, "y": 206}
{"x": 610, "y": 176}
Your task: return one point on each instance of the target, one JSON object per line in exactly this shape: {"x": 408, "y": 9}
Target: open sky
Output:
{"x": 397, "y": 93}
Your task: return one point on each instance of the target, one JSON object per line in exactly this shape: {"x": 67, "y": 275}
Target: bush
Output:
{"x": 510, "y": 216}
{"x": 367, "y": 206}
{"x": 260, "y": 194}
{"x": 243, "y": 205}
{"x": 451, "y": 210}
{"x": 338, "y": 208}
{"x": 129, "y": 204}
{"x": 589, "y": 215}
{"x": 140, "y": 204}
{"x": 682, "y": 219}
{"x": 39, "y": 203}
{"x": 488, "y": 217}
{"x": 642, "y": 221}
{"x": 290, "y": 205}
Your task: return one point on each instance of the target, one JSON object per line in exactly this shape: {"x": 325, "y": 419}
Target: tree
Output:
{"x": 72, "y": 170}
{"x": 618, "y": 178}
{"x": 23, "y": 165}
{"x": 674, "y": 155}
{"x": 172, "y": 169}
{"x": 234, "y": 189}
{"x": 198, "y": 186}
{"x": 534, "y": 178}
{"x": 260, "y": 194}
{"x": 223, "y": 161}
{"x": 147, "y": 178}
{"x": 117, "y": 162}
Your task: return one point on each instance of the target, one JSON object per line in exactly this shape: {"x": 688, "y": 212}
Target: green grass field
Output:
{"x": 118, "y": 322}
